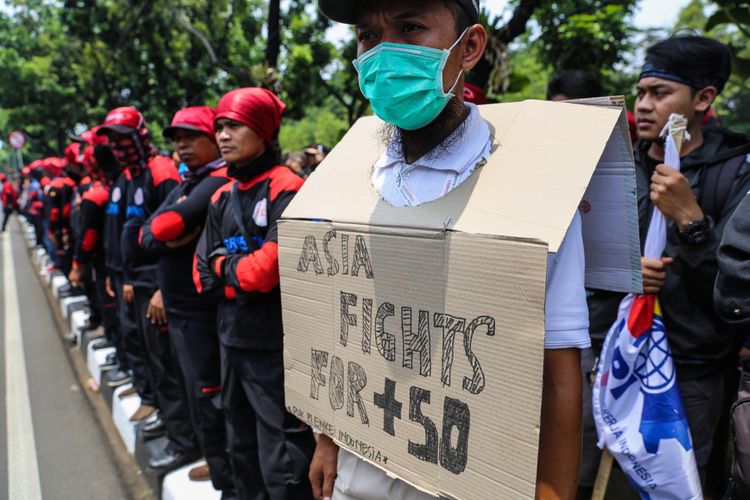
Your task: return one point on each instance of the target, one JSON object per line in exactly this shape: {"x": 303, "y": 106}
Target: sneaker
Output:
{"x": 109, "y": 364}
{"x": 199, "y": 473}
{"x": 153, "y": 430}
{"x": 130, "y": 391}
{"x": 169, "y": 460}
{"x": 101, "y": 344}
{"x": 142, "y": 413}
{"x": 116, "y": 378}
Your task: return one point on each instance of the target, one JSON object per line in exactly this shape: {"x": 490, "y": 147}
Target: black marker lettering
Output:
{"x": 333, "y": 265}
{"x": 427, "y": 452}
{"x": 310, "y": 254}
{"x": 318, "y": 361}
{"x": 385, "y": 341}
{"x": 419, "y": 342}
{"x": 475, "y": 384}
{"x": 357, "y": 382}
{"x": 336, "y": 383}
{"x": 450, "y": 325}
{"x": 455, "y": 414}
{"x": 347, "y": 319}
{"x": 361, "y": 258}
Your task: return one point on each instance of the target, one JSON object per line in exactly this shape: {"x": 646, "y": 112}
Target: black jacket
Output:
{"x": 732, "y": 292}
{"x": 173, "y": 219}
{"x": 701, "y": 343}
{"x": 89, "y": 245}
{"x": 114, "y": 219}
{"x": 145, "y": 194}
{"x": 246, "y": 271}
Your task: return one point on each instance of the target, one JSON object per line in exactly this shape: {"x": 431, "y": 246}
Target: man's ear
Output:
{"x": 476, "y": 42}
{"x": 704, "y": 98}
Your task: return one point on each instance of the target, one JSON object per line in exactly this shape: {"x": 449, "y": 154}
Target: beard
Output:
{"x": 436, "y": 138}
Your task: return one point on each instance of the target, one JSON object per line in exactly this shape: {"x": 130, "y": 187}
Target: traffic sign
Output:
{"x": 17, "y": 139}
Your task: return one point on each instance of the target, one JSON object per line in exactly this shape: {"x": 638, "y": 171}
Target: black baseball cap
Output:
{"x": 345, "y": 11}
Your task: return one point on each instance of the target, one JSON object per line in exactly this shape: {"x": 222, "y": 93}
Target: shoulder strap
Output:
{"x": 234, "y": 200}
{"x": 717, "y": 184}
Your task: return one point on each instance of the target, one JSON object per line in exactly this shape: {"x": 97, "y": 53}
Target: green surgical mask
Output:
{"x": 404, "y": 83}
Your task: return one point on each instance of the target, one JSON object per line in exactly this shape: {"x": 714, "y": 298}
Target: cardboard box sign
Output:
{"x": 414, "y": 337}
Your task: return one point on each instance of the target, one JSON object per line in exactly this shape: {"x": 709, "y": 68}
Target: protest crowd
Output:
{"x": 178, "y": 256}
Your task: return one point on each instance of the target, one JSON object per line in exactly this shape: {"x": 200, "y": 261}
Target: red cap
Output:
{"x": 92, "y": 138}
{"x": 195, "y": 118}
{"x": 89, "y": 161}
{"x": 257, "y": 108}
{"x": 26, "y": 171}
{"x": 474, "y": 94}
{"x": 124, "y": 120}
{"x": 73, "y": 153}
{"x": 54, "y": 166}
{"x": 3, "y": 177}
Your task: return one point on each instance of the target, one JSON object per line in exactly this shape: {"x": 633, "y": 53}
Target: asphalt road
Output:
{"x": 51, "y": 445}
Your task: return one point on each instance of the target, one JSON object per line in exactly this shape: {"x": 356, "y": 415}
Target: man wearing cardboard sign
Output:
{"x": 392, "y": 275}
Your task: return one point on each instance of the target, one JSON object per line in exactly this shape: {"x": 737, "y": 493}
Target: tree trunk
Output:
{"x": 274, "y": 34}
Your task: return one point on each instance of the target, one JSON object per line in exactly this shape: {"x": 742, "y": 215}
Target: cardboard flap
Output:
{"x": 545, "y": 155}
{"x": 611, "y": 201}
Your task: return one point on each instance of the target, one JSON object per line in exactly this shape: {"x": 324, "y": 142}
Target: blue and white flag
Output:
{"x": 637, "y": 407}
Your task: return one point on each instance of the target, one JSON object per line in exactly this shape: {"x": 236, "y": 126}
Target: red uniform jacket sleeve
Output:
{"x": 259, "y": 271}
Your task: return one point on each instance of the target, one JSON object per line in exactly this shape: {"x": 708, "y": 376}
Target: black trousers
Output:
{"x": 7, "y": 212}
{"x": 195, "y": 346}
{"x": 269, "y": 448}
{"x": 107, "y": 308}
{"x": 167, "y": 381}
{"x": 133, "y": 343}
{"x": 95, "y": 302}
{"x": 63, "y": 252}
{"x": 38, "y": 229}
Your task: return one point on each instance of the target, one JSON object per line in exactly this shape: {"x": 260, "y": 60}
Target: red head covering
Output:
{"x": 3, "y": 177}
{"x": 125, "y": 120}
{"x": 474, "y": 94}
{"x": 54, "y": 166}
{"x": 196, "y": 118}
{"x": 257, "y": 108}
{"x": 73, "y": 153}
{"x": 91, "y": 137}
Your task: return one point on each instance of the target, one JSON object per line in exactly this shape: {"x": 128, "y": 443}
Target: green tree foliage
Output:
{"x": 729, "y": 22}
{"x": 565, "y": 34}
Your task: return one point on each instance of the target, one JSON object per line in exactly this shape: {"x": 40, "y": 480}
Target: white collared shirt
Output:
{"x": 436, "y": 174}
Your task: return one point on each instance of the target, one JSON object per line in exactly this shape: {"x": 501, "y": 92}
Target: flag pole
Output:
{"x": 602, "y": 476}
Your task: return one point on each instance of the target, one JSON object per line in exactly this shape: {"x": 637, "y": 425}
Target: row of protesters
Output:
{"x": 183, "y": 271}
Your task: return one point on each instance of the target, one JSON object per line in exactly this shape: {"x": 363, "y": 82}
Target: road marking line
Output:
{"x": 23, "y": 468}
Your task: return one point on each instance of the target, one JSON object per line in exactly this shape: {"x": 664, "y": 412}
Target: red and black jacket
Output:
{"x": 145, "y": 193}
{"x": 9, "y": 195}
{"x": 59, "y": 206}
{"x": 114, "y": 220}
{"x": 89, "y": 245}
{"x": 182, "y": 212}
{"x": 243, "y": 262}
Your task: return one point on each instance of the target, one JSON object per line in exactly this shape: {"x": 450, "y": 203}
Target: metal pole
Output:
{"x": 19, "y": 157}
